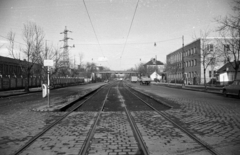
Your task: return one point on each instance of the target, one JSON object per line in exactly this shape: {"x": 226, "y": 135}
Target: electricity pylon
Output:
{"x": 65, "y": 60}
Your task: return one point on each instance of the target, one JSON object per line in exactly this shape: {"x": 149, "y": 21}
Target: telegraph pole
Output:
{"x": 65, "y": 61}
{"x": 183, "y": 71}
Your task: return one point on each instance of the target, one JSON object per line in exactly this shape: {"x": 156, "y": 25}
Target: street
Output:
{"x": 210, "y": 117}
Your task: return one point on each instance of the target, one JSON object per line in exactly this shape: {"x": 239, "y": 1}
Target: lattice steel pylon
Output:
{"x": 65, "y": 59}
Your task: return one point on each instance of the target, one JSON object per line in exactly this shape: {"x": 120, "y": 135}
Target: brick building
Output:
{"x": 191, "y": 62}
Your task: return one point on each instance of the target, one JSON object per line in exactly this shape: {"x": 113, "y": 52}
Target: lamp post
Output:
{"x": 183, "y": 71}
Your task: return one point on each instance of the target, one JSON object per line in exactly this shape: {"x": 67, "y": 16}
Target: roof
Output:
{"x": 153, "y": 62}
{"x": 228, "y": 67}
{"x": 8, "y": 60}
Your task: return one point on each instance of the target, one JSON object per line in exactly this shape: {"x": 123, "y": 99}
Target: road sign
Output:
{"x": 48, "y": 63}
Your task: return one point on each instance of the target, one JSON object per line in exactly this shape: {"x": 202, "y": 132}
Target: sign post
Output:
{"x": 48, "y": 63}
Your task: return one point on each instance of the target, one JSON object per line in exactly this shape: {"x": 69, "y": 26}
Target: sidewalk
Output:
{"x": 9, "y": 93}
{"x": 210, "y": 89}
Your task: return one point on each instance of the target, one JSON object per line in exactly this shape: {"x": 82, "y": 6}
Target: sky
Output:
{"x": 114, "y": 35}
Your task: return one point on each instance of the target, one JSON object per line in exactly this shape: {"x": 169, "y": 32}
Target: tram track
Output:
{"x": 199, "y": 141}
{"x": 135, "y": 129}
{"x": 71, "y": 110}
{"x": 87, "y": 142}
{"x": 100, "y": 129}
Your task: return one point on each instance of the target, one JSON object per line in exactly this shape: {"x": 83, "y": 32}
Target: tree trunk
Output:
{"x": 27, "y": 82}
{"x": 204, "y": 73}
{"x": 236, "y": 72}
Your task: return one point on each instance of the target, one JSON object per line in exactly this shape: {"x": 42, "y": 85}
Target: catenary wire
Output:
{"x": 14, "y": 41}
{"x": 94, "y": 29}
{"x": 128, "y": 33}
{"x": 134, "y": 43}
{"x": 129, "y": 29}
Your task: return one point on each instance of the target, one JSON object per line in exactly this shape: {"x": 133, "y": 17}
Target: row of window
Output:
{"x": 191, "y": 63}
{"x": 188, "y": 75}
{"x": 190, "y": 52}
{"x": 212, "y": 73}
{"x": 178, "y": 56}
{"x": 187, "y": 64}
{"x": 10, "y": 70}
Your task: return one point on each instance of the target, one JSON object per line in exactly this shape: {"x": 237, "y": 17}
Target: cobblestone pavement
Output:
{"x": 18, "y": 128}
{"x": 218, "y": 125}
{"x": 67, "y": 137}
{"x": 18, "y": 123}
{"x": 114, "y": 136}
{"x": 162, "y": 138}
{"x": 212, "y": 118}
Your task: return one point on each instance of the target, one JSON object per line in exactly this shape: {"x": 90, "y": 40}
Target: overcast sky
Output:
{"x": 160, "y": 21}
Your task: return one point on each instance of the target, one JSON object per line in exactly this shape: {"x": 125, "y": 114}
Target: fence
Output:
{"x": 200, "y": 81}
{"x": 8, "y": 83}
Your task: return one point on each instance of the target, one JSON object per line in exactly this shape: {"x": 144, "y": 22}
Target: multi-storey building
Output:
{"x": 191, "y": 63}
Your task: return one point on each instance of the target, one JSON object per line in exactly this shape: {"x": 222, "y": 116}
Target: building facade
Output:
{"x": 189, "y": 60}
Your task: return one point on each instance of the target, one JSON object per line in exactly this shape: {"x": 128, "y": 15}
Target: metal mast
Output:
{"x": 65, "y": 60}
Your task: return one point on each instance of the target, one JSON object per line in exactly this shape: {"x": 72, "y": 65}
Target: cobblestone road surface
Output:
{"x": 114, "y": 136}
{"x": 212, "y": 118}
{"x": 67, "y": 137}
{"x": 18, "y": 123}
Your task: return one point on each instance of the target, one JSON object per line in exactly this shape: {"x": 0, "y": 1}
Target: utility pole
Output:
{"x": 183, "y": 71}
{"x": 65, "y": 61}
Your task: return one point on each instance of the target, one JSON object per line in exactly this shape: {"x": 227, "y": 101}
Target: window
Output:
{"x": 191, "y": 51}
{"x": 210, "y": 73}
{"x": 226, "y": 47}
{"x": 209, "y": 47}
{"x": 194, "y": 50}
{"x": 235, "y": 83}
{"x": 1, "y": 68}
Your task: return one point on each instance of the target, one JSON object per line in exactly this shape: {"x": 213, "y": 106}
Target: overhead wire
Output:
{"x": 133, "y": 43}
{"x": 128, "y": 33}
{"x": 14, "y": 41}
{"x": 130, "y": 28}
{"x": 94, "y": 29}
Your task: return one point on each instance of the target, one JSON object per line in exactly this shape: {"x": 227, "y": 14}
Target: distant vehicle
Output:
{"x": 232, "y": 89}
{"x": 134, "y": 79}
{"x": 144, "y": 80}
{"x": 106, "y": 81}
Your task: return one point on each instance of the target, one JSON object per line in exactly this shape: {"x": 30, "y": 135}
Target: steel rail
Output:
{"x": 135, "y": 129}
{"x": 202, "y": 143}
{"x": 90, "y": 134}
{"x": 52, "y": 125}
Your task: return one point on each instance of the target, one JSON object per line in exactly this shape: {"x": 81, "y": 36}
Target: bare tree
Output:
{"x": 209, "y": 53}
{"x": 229, "y": 29}
{"x": 33, "y": 37}
{"x": 11, "y": 46}
{"x": 173, "y": 68}
{"x": 141, "y": 69}
{"x": 50, "y": 53}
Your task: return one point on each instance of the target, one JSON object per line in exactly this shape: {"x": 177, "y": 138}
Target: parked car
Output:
{"x": 144, "y": 80}
{"x": 232, "y": 89}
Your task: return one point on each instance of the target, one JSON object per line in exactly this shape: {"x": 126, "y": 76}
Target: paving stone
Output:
{"x": 62, "y": 138}
{"x": 112, "y": 126}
